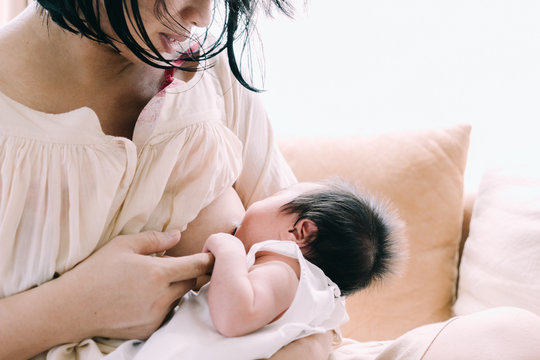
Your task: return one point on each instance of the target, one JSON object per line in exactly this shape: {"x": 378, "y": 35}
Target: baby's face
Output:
{"x": 263, "y": 220}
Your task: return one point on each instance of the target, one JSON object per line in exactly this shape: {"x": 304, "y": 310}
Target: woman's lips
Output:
{"x": 178, "y": 48}
{"x": 172, "y": 44}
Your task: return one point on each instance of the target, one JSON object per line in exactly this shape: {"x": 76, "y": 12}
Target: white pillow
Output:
{"x": 501, "y": 259}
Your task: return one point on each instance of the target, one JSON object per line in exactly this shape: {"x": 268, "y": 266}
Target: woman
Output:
{"x": 72, "y": 85}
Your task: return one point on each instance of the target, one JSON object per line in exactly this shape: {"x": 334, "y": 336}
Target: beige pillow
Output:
{"x": 500, "y": 264}
{"x": 421, "y": 173}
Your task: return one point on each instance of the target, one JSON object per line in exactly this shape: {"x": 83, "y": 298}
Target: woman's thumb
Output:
{"x": 151, "y": 242}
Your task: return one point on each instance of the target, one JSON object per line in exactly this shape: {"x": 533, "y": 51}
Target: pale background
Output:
{"x": 368, "y": 66}
{"x": 10, "y": 8}
{"x": 348, "y": 67}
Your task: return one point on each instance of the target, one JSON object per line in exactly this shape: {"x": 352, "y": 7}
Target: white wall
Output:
{"x": 10, "y": 8}
{"x": 368, "y": 66}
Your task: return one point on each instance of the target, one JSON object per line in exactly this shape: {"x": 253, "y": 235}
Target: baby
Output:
{"x": 347, "y": 236}
{"x": 307, "y": 246}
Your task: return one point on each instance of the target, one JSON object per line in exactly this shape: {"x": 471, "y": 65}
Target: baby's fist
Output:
{"x": 217, "y": 243}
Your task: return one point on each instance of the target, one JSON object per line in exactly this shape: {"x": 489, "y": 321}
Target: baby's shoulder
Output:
{"x": 273, "y": 259}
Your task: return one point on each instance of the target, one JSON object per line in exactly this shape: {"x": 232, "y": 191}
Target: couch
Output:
{"x": 448, "y": 270}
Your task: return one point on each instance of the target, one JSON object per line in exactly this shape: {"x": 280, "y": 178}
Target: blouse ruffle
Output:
{"x": 66, "y": 188}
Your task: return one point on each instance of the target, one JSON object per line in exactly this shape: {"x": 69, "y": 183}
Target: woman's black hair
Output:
{"x": 83, "y": 17}
{"x": 356, "y": 238}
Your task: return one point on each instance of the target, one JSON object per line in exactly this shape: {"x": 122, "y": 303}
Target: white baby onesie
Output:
{"x": 190, "y": 334}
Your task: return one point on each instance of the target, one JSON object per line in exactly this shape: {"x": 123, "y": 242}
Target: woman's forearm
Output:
{"x": 117, "y": 292}
{"x": 38, "y": 319}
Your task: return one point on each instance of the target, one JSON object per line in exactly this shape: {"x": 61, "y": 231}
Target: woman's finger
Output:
{"x": 187, "y": 267}
{"x": 178, "y": 293}
{"x": 150, "y": 242}
{"x": 179, "y": 289}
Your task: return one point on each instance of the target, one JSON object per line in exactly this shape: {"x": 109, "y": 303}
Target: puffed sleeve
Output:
{"x": 264, "y": 170}
{"x": 188, "y": 161}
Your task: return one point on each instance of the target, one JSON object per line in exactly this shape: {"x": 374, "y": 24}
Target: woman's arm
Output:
{"x": 242, "y": 300}
{"x": 117, "y": 292}
{"x": 264, "y": 170}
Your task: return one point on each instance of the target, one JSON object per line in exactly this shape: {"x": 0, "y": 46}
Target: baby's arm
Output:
{"x": 243, "y": 300}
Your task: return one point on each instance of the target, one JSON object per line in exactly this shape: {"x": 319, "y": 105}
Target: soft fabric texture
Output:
{"x": 410, "y": 346}
{"x": 500, "y": 264}
{"x": 497, "y": 333}
{"x": 66, "y": 188}
{"x": 421, "y": 174}
{"x": 190, "y": 334}
{"x": 68, "y": 192}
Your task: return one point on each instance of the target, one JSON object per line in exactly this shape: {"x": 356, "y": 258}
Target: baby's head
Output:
{"x": 351, "y": 237}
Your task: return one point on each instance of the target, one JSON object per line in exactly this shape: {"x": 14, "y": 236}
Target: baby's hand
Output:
{"x": 222, "y": 243}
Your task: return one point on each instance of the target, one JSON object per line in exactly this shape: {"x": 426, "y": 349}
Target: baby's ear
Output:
{"x": 307, "y": 232}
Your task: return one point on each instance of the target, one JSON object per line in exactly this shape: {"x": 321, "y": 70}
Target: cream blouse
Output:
{"x": 66, "y": 188}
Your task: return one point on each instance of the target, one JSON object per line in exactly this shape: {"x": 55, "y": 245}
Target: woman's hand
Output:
{"x": 128, "y": 294}
{"x": 117, "y": 292}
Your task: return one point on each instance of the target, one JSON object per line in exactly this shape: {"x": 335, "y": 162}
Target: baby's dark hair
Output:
{"x": 356, "y": 239}
{"x": 83, "y": 17}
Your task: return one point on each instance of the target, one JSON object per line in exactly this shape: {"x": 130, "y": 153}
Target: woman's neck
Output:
{"x": 52, "y": 70}
{"x": 79, "y": 59}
